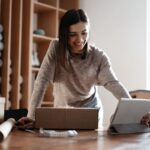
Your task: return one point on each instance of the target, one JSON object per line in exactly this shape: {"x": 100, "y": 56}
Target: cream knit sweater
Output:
{"x": 79, "y": 86}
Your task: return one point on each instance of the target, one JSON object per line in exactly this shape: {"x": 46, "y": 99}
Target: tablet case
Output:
{"x": 128, "y": 115}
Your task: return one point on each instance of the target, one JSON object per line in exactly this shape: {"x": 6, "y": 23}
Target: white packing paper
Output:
{"x": 5, "y": 128}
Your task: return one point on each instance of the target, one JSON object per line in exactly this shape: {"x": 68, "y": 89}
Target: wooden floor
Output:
{"x": 85, "y": 140}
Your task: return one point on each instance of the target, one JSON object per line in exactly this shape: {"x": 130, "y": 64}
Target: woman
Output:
{"x": 75, "y": 68}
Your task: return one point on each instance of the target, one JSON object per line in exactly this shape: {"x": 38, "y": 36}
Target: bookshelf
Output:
{"x": 21, "y": 41}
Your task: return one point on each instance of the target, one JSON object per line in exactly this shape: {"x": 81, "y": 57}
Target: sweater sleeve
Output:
{"x": 108, "y": 79}
{"x": 45, "y": 75}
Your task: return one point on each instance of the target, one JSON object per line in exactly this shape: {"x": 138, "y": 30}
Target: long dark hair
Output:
{"x": 71, "y": 17}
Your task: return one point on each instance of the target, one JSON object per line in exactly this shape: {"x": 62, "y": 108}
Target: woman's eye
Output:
{"x": 76, "y": 34}
{"x": 72, "y": 34}
{"x": 84, "y": 33}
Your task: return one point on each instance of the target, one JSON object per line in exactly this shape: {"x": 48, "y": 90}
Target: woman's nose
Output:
{"x": 79, "y": 38}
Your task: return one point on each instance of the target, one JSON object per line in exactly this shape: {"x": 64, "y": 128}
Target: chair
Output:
{"x": 140, "y": 94}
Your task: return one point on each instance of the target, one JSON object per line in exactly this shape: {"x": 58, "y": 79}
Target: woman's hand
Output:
{"x": 146, "y": 119}
{"x": 25, "y": 123}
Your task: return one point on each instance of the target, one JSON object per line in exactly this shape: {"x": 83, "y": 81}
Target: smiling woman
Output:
{"x": 73, "y": 35}
{"x": 75, "y": 67}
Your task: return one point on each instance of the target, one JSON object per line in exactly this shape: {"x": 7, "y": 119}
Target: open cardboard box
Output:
{"x": 66, "y": 118}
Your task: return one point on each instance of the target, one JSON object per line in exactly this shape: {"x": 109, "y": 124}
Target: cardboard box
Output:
{"x": 66, "y": 118}
{"x": 145, "y": 94}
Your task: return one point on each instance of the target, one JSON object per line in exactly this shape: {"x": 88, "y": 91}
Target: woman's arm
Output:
{"x": 108, "y": 79}
{"x": 45, "y": 75}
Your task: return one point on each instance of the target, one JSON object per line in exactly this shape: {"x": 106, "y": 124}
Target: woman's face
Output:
{"x": 78, "y": 36}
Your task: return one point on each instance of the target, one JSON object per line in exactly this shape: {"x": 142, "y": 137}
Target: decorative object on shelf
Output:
{"x": 20, "y": 96}
{"x": 1, "y": 28}
{"x": 10, "y": 71}
{"x": 20, "y": 79}
{"x": 20, "y": 82}
{"x": 8, "y": 104}
{"x": 1, "y": 48}
{"x": 39, "y": 31}
{"x": 1, "y": 45}
{"x": 1, "y": 36}
{"x": 2, "y": 108}
{"x": 35, "y": 59}
{"x": 10, "y": 88}
{"x": 9, "y": 82}
{"x": 1, "y": 63}
{"x": 0, "y": 84}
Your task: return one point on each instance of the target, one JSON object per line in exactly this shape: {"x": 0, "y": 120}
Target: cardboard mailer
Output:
{"x": 66, "y": 118}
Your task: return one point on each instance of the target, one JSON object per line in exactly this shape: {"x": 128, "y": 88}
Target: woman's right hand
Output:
{"x": 25, "y": 123}
{"x": 146, "y": 119}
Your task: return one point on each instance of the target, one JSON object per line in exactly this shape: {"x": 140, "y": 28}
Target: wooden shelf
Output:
{"x": 20, "y": 42}
{"x": 40, "y": 7}
{"x": 35, "y": 69}
{"x": 68, "y": 4}
{"x": 62, "y": 10}
{"x": 49, "y": 2}
{"x": 41, "y": 38}
{"x": 46, "y": 20}
{"x": 16, "y": 42}
{"x": 61, "y": 13}
{"x": 5, "y": 70}
{"x": 47, "y": 104}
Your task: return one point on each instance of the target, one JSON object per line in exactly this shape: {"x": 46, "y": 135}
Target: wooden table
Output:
{"x": 85, "y": 140}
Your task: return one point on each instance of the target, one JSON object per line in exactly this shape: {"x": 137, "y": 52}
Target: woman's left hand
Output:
{"x": 25, "y": 123}
{"x": 146, "y": 119}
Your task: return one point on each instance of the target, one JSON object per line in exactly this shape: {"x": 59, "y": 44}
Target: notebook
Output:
{"x": 128, "y": 115}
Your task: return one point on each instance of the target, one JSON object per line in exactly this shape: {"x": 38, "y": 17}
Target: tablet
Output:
{"x": 128, "y": 115}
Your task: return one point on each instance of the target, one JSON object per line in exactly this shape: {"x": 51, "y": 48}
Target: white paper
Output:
{"x": 54, "y": 133}
{"x": 5, "y": 128}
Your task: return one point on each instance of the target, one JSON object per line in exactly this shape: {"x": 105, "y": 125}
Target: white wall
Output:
{"x": 148, "y": 44}
{"x": 119, "y": 28}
